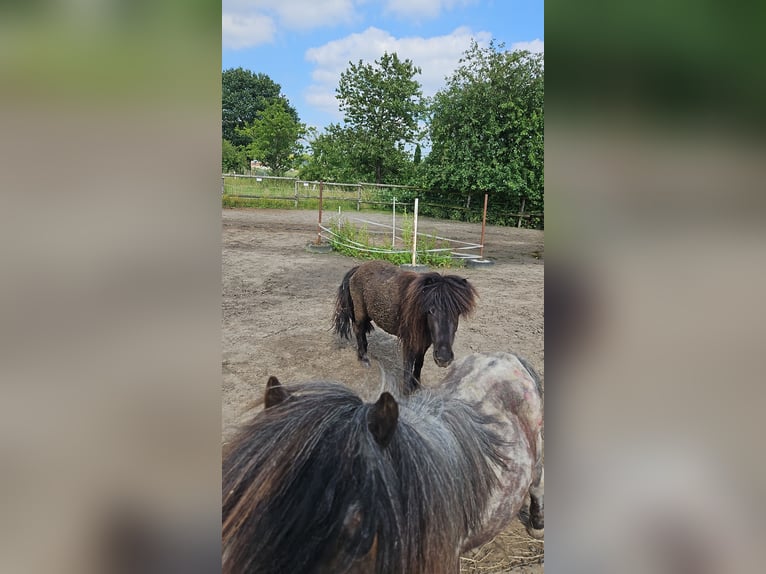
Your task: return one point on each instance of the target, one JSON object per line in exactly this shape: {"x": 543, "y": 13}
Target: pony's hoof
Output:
{"x": 365, "y": 362}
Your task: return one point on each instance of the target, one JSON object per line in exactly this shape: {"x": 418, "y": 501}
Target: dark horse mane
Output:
{"x": 446, "y": 293}
{"x": 308, "y": 488}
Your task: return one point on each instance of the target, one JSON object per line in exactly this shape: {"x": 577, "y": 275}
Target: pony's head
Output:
{"x": 306, "y": 486}
{"x": 322, "y": 482}
{"x": 441, "y": 300}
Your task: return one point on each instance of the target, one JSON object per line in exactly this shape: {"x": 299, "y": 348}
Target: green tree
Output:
{"x": 244, "y": 95}
{"x": 331, "y": 157}
{"x": 232, "y": 158}
{"x": 341, "y": 154}
{"x": 382, "y": 103}
{"x": 486, "y": 131}
{"x": 274, "y": 138}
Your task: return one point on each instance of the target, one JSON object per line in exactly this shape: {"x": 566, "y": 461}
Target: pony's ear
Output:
{"x": 275, "y": 393}
{"x": 382, "y": 419}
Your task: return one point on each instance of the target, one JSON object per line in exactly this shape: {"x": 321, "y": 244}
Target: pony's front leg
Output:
{"x": 361, "y": 343}
{"x": 413, "y": 363}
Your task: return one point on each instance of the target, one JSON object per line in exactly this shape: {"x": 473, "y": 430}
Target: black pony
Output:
{"x": 322, "y": 482}
{"x": 419, "y": 308}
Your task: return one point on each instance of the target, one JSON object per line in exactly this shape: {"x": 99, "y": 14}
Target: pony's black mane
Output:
{"x": 308, "y": 489}
{"x": 447, "y": 294}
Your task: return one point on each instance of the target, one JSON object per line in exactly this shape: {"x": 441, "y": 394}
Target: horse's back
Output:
{"x": 376, "y": 270}
{"x": 376, "y": 289}
{"x": 498, "y": 379}
{"x": 500, "y": 386}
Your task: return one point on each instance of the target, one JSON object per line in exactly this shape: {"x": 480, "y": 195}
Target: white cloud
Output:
{"x": 247, "y": 23}
{"x": 245, "y": 31}
{"x": 306, "y": 14}
{"x": 535, "y": 46}
{"x": 320, "y": 98}
{"x": 437, "y": 57}
{"x": 423, "y": 8}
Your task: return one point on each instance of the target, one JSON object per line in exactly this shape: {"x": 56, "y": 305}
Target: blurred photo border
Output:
{"x": 110, "y": 359}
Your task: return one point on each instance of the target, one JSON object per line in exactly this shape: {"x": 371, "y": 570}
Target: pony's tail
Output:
{"x": 344, "y": 307}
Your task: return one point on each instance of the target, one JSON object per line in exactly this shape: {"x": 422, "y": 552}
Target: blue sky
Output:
{"x": 304, "y": 45}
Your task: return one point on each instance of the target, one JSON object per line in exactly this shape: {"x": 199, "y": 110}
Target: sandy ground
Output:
{"x": 278, "y": 302}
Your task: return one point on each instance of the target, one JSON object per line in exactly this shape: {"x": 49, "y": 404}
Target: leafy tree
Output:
{"x": 330, "y": 158}
{"x": 382, "y": 104}
{"x": 232, "y": 158}
{"x": 275, "y": 137}
{"x": 340, "y": 154}
{"x": 244, "y": 95}
{"x": 487, "y": 132}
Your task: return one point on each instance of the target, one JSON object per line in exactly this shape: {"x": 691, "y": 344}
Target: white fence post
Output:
{"x": 415, "y": 233}
{"x": 393, "y": 231}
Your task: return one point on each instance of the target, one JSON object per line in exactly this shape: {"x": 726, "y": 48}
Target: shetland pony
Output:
{"x": 420, "y": 308}
{"x": 322, "y": 482}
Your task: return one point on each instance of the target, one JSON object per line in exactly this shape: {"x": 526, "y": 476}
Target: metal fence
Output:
{"x": 292, "y": 192}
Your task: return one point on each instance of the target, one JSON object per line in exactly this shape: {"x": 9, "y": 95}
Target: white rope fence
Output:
{"x": 461, "y": 252}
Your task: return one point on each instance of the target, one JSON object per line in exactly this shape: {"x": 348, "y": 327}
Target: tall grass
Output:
{"x": 346, "y": 236}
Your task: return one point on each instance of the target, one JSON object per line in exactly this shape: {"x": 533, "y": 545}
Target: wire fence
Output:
{"x": 287, "y": 192}
{"x": 454, "y": 248}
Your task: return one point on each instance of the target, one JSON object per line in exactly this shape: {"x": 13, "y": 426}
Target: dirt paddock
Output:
{"x": 278, "y": 302}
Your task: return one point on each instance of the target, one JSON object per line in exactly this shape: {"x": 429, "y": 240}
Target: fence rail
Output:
{"x": 306, "y": 193}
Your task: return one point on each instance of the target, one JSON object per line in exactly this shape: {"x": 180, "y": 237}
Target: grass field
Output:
{"x": 288, "y": 193}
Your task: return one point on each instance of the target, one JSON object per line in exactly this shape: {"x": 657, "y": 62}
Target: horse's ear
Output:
{"x": 275, "y": 393}
{"x": 382, "y": 419}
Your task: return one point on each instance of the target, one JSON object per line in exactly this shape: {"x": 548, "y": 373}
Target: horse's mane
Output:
{"x": 306, "y": 484}
{"x": 446, "y": 293}
{"x": 445, "y": 455}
